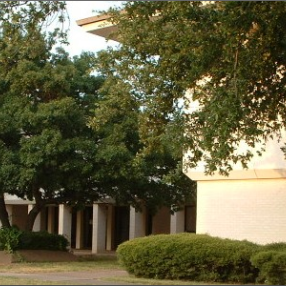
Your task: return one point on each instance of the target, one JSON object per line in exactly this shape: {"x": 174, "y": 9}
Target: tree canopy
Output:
{"x": 46, "y": 148}
{"x": 48, "y": 103}
{"x": 152, "y": 179}
{"x": 228, "y": 55}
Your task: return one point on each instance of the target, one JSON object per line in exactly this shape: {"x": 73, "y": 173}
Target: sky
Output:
{"x": 79, "y": 39}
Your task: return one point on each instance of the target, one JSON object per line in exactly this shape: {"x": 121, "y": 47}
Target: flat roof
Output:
{"x": 93, "y": 19}
{"x": 98, "y": 25}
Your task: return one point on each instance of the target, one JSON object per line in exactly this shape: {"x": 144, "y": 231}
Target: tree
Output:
{"x": 152, "y": 179}
{"x": 47, "y": 150}
{"x": 229, "y": 55}
{"x": 48, "y": 153}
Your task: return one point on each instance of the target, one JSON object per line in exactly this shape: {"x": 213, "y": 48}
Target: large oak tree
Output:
{"x": 48, "y": 153}
{"x": 229, "y": 55}
{"x": 153, "y": 178}
{"x": 46, "y": 148}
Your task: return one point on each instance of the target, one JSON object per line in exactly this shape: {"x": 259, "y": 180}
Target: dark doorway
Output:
{"x": 149, "y": 223}
{"x": 122, "y": 221}
{"x": 52, "y": 212}
{"x": 73, "y": 228}
{"x": 87, "y": 227}
{"x": 190, "y": 218}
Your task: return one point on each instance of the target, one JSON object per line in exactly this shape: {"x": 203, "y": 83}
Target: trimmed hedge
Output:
{"x": 276, "y": 246}
{"x": 42, "y": 240}
{"x": 189, "y": 257}
{"x": 12, "y": 239}
{"x": 272, "y": 267}
{"x": 271, "y": 263}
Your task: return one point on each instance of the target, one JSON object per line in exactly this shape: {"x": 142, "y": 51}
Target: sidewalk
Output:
{"x": 75, "y": 278}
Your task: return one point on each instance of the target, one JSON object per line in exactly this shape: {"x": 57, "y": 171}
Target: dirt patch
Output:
{"x": 36, "y": 256}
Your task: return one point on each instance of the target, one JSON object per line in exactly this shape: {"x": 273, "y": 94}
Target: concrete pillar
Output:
{"x": 37, "y": 223}
{"x": 137, "y": 226}
{"x": 44, "y": 215}
{"x": 177, "y": 222}
{"x": 79, "y": 230}
{"x": 99, "y": 228}
{"x": 9, "y": 209}
{"x": 51, "y": 219}
{"x": 110, "y": 227}
{"x": 65, "y": 221}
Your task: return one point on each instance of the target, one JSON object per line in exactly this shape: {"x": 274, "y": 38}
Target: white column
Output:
{"x": 137, "y": 226}
{"x": 79, "y": 230}
{"x": 98, "y": 228}
{"x": 109, "y": 227}
{"x": 177, "y": 222}
{"x": 9, "y": 209}
{"x": 65, "y": 221}
{"x": 37, "y": 223}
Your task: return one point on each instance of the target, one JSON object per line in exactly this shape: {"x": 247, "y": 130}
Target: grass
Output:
{"x": 22, "y": 281}
{"x": 140, "y": 281}
{"x": 86, "y": 264}
{"x": 145, "y": 281}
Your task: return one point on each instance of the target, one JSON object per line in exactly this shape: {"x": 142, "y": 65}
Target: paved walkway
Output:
{"x": 76, "y": 277}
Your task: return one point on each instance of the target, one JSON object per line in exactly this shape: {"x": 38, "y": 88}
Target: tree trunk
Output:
{"x": 32, "y": 216}
{"x": 40, "y": 203}
{"x": 4, "y": 216}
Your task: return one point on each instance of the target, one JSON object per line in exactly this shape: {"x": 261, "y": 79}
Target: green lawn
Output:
{"x": 43, "y": 267}
{"x": 99, "y": 263}
{"x": 22, "y": 281}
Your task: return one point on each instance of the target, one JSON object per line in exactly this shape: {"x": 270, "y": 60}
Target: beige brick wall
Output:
{"x": 243, "y": 209}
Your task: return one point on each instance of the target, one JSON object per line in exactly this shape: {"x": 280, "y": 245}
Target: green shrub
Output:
{"x": 276, "y": 246}
{"x": 189, "y": 257}
{"x": 271, "y": 265}
{"x": 9, "y": 238}
{"x": 42, "y": 240}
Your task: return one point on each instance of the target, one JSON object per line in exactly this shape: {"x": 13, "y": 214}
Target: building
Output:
{"x": 101, "y": 226}
{"x": 248, "y": 204}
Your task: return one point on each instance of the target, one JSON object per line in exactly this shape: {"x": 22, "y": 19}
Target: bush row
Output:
{"x": 12, "y": 239}
{"x": 203, "y": 258}
{"x": 271, "y": 262}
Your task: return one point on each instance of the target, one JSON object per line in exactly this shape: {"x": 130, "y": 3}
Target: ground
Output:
{"x": 36, "y": 256}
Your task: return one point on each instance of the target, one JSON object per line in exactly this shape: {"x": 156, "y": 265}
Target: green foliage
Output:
{"x": 271, "y": 265}
{"x": 9, "y": 239}
{"x": 47, "y": 152}
{"x": 134, "y": 173}
{"x": 169, "y": 47}
{"x": 189, "y": 257}
{"x": 42, "y": 240}
{"x": 45, "y": 101}
{"x": 275, "y": 246}
{"x": 153, "y": 179}
{"x": 12, "y": 239}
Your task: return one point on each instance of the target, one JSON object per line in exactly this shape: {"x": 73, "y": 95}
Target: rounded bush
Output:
{"x": 189, "y": 257}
